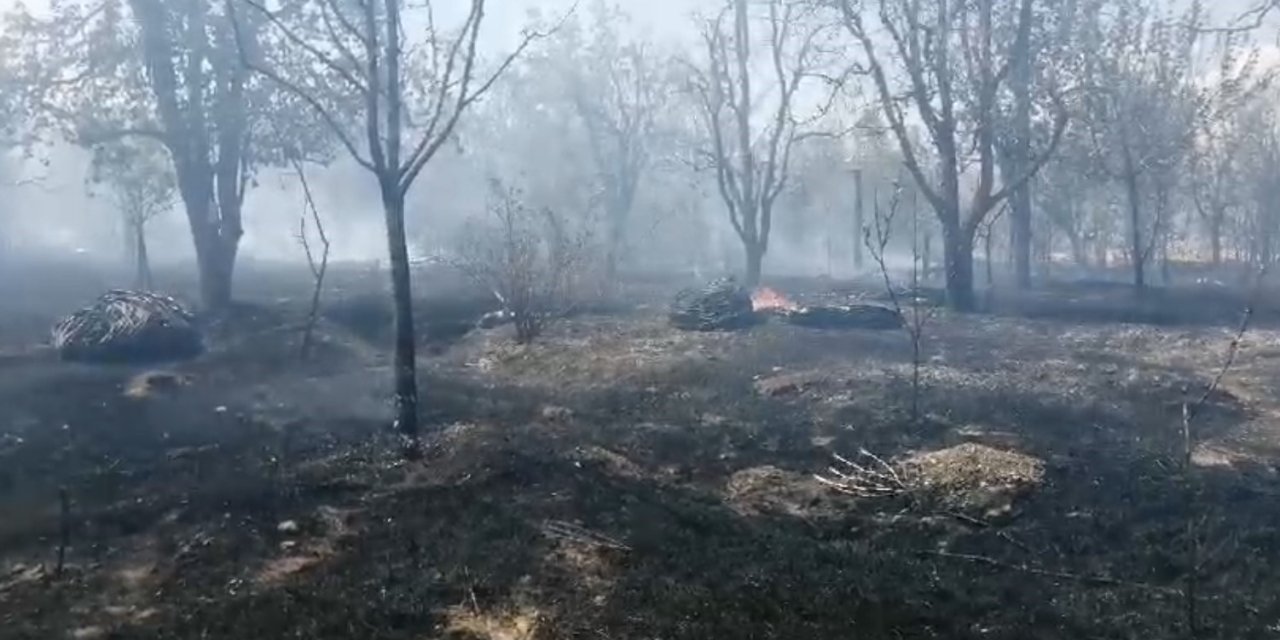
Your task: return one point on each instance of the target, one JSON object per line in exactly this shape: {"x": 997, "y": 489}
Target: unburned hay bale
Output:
{"x": 128, "y": 326}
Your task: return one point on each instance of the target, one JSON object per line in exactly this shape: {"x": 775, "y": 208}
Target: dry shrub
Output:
{"x": 535, "y": 260}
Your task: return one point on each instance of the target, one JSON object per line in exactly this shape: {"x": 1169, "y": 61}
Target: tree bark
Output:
{"x": 755, "y": 263}
{"x": 1215, "y": 239}
{"x": 1079, "y": 253}
{"x": 1020, "y": 221}
{"x": 619, "y": 217}
{"x": 926, "y": 257}
{"x": 1166, "y": 268}
{"x": 859, "y": 220}
{"x": 986, "y": 250}
{"x": 215, "y": 253}
{"x": 216, "y": 270}
{"x": 142, "y": 274}
{"x": 405, "y": 361}
{"x": 612, "y": 256}
{"x": 1020, "y": 198}
{"x": 958, "y": 254}
{"x": 1136, "y": 253}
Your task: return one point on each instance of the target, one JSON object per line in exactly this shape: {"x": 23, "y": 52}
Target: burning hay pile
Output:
{"x": 856, "y": 316}
{"x": 128, "y": 326}
{"x": 721, "y": 304}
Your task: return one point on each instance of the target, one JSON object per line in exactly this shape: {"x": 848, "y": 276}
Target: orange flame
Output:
{"x": 766, "y": 299}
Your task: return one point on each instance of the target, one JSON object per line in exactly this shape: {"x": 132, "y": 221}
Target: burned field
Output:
{"x": 620, "y": 478}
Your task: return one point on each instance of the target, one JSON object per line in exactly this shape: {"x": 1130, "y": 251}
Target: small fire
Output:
{"x": 766, "y": 299}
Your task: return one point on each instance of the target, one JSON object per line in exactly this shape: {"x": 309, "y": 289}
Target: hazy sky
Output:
{"x": 666, "y": 18}
{"x": 62, "y": 199}
{"x": 663, "y": 15}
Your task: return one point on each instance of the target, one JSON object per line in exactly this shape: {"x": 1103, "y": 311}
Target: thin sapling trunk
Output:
{"x": 319, "y": 267}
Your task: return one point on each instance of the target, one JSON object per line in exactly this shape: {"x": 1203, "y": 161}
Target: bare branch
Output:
{"x": 332, "y": 121}
{"x": 433, "y": 139}
{"x": 316, "y": 53}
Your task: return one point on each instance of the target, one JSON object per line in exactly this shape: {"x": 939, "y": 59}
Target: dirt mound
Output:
{"x": 768, "y": 489}
{"x": 790, "y": 383}
{"x": 148, "y": 383}
{"x": 975, "y": 477}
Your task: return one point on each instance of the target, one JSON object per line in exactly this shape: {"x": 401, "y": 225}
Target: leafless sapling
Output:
{"x": 1195, "y": 556}
{"x": 319, "y": 267}
{"x": 915, "y": 315}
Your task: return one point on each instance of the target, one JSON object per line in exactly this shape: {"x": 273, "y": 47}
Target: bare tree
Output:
{"x": 1215, "y": 172}
{"x": 1144, "y": 106}
{"x": 751, "y": 158}
{"x": 618, "y": 89}
{"x": 1141, "y": 113}
{"x": 1259, "y": 160}
{"x": 954, "y": 68}
{"x": 392, "y": 103}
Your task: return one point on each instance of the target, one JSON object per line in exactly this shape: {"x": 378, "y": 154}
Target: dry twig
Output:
{"x": 64, "y": 529}
{"x": 1094, "y": 580}
{"x": 875, "y": 479}
{"x": 562, "y": 530}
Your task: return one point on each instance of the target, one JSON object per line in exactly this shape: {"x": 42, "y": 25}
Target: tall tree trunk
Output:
{"x": 215, "y": 256}
{"x": 1020, "y": 221}
{"x": 1079, "y": 252}
{"x": 1136, "y": 253}
{"x": 406, "y": 370}
{"x": 1020, "y": 199}
{"x": 613, "y": 254}
{"x": 926, "y": 257}
{"x": 142, "y": 275}
{"x": 1215, "y": 239}
{"x": 1166, "y": 268}
{"x": 859, "y": 220}
{"x": 1264, "y": 242}
{"x": 958, "y": 254}
{"x": 619, "y": 216}
{"x": 216, "y": 269}
{"x": 755, "y": 262}
{"x": 986, "y": 251}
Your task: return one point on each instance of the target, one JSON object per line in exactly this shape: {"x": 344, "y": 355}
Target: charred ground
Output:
{"x": 621, "y": 479}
